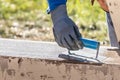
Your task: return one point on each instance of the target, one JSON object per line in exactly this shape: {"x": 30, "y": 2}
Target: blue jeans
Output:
{"x": 112, "y": 34}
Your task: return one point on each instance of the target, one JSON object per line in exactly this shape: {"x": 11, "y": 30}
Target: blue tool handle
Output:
{"x": 88, "y": 43}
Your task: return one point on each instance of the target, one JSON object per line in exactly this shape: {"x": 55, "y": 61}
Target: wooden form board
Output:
{"x": 34, "y": 60}
{"x": 114, "y": 7}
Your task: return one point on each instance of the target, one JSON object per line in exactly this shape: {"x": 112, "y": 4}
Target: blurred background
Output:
{"x": 27, "y": 19}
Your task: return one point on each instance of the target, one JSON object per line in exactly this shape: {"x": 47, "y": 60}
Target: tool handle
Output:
{"x": 90, "y": 43}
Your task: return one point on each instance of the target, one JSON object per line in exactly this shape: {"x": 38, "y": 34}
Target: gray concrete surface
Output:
{"x": 32, "y": 49}
{"x": 39, "y": 49}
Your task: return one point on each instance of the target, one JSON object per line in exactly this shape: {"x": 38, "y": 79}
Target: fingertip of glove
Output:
{"x": 80, "y": 45}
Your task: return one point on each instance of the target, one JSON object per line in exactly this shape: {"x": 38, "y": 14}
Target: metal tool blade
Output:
{"x": 82, "y": 57}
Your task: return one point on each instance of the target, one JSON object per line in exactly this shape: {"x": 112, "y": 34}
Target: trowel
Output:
{"x": 85, "y": 56}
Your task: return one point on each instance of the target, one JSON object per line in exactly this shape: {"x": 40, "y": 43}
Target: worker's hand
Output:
{"x": 103, "y": 4}
{"x": 65, "y": 31}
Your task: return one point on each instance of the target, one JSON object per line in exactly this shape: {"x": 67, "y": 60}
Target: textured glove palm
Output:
{"x": 65, "y": 31}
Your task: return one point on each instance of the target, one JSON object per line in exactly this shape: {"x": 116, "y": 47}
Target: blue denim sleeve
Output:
{"x": 55, "y": 3}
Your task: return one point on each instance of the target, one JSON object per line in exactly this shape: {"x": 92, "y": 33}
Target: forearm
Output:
{"x": 103, "y": 4}
{"x": 55, "y": 3}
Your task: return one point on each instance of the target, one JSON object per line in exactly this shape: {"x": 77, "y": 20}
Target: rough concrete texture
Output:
{"x": 41, "y": 64}
{"x": 36, "y": 69}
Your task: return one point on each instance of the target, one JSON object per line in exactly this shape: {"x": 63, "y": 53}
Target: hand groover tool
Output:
{"x": 81, "y": 57}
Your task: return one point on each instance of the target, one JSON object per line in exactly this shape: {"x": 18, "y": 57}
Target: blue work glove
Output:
{"x": 65, "y": 31}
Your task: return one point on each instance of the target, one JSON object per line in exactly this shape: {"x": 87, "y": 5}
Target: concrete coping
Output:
{"x": 50, "y": 50}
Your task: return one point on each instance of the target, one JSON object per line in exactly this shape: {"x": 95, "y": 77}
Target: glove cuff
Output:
{"x": 59, "y": 13}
